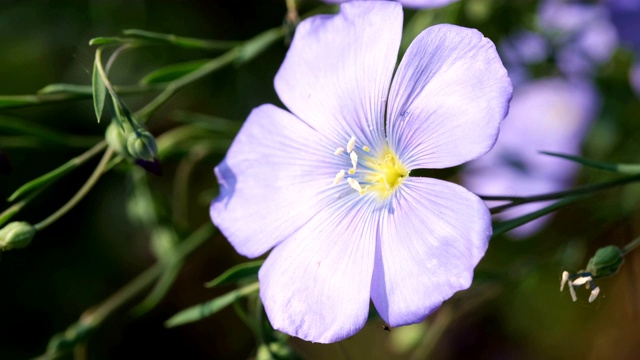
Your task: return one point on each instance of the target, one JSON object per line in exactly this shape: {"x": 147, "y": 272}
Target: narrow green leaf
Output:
{"x": 17, "y": 100}
{"x": 252, "y": 48}
{"x": 162, "y": 286}
{"x": 630, "y": 169}
{"x": 108, "y": 41}
{"x": 504, "y": 226}
{"x": 237, "y": 273}
{"x": 213, "y": 123}
{"x": 186, "y": 42}
{"x": 98, "y": 87}
{"x": 43, "y": 180}
{"x": 201, "y": 311}
{"x": 66, "y": 88}
{"x": 172, "y": 72}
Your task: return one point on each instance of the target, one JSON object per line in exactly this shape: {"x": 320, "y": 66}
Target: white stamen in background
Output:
{"x": 354, "y": 159}
{"x": 582, "y": 280}
{"x": 594, "y": 294}
{"x": 338, "y": 151}
{"x": 572, "y": 291}
{"x": 355, "y": 185}
{"x": 565, "y": 277}
{"x": 339, "y": 177}
{"x": 351, "y": 144}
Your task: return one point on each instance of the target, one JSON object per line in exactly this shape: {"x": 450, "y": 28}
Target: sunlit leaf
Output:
{"x": 98, "y": 88}
{"x": 237, "y": 273}
{"x": 201, "y": 311}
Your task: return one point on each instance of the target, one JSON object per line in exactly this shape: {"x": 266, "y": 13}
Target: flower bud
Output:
{"x": 16, "y": 235}
{"x": 117, "y": 139}
{"x": 142, "y": 145}
{"x": 605, "y": 262}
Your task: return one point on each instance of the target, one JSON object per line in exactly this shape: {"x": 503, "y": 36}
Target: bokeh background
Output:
{"x": 513, "y": 311}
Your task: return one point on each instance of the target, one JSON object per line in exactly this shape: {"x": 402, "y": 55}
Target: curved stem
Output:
{"x": 80, "y": 194}
{"x": 630, "y": 246}
{"x": 518, "y": 200}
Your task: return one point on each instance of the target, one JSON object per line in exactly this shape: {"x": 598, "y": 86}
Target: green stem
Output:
{"x": 93, "y": 318}
{"x": 176, "y": 85}
{"x": 80, "y": 194}
{"x": 517, "y": 200}
{"x": 630, "y": 246}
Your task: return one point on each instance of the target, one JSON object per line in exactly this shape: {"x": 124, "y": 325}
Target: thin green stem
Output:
{"x": 93, "y": 318}
{"x": 99, "y": 170}
{"x": 630, "y": 246}
{"x": 517, "y": 200}
{"x": 176, "y": 85}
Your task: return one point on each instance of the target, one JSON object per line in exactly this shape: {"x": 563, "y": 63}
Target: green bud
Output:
{"x": 606, "y": 261}
{"x": 117, "y": 139}
{"x": 16, "y": 235}
{"x": 142, "y": 145}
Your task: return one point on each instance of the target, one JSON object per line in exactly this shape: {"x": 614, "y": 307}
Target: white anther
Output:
{"x": 351, "y": 144}
{"x": 354, "y": 159}
{"x": 594, "y": 294}
{"x": 582, "y": 280}
{"x": 355, "y": 185}
{"x": 572, "y": 291}
{"x": 338, "y": 151}
{"x": 565, "y": 277}
{"x": 339, "y": 177}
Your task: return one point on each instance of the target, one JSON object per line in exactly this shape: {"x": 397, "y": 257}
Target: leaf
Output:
{"x": 172, "y": 72}
{"x": 504, "y": 226}
{"x": 237, "y": 273}
{"x": 98, "y": 87}
{"x": 181, "y": 41}
{"x": 107, "y": 41}
{"x": 252, "y": 48}
{"x": 43, "y": 180}
{"x": 631, "y": 169}
{"x": 65, "y": 88}
{"x": 201, "y": 311}
{"x": 17, "y": 100}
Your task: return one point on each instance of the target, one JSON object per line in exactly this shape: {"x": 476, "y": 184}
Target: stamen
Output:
{"x": 594, "y": 294}
{"x": 339, "y": 177}
{"x": 572, "y": 291}
{"x": 565, "y": 277}
{"x": 351, "y": 144}
{"x": 338, "y": 151}
{"x": 366, "y": 148}
{"x": 582, "y": 280}
{"x": 355, "y": 185}
{"x": 354, "y": 159}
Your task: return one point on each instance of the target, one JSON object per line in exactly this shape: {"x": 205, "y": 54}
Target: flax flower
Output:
{"x": 416, "y": 4}
{"x": 327, "y": 186}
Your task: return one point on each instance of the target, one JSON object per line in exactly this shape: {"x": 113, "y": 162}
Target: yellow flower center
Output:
{"x": 378, "y": 173}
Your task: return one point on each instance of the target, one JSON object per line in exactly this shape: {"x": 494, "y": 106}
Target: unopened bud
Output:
{"x": 16, "y": 235}
{"x": 117, "y": 139}
{"x": 606, "y": 261}
{"x": 142, "y": 146}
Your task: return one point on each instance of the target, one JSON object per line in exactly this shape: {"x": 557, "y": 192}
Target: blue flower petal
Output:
{"x": 337, "y": 72}
{"x": 447, "y": 98}
{"x": 431, "y": 239}
{"x": 315, "y": 285}
{"x": 276, "y": 171}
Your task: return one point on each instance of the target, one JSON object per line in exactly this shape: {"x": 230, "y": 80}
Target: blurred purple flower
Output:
{"x": 327, "y": 184}
{"x": 582, "y": 34}
{"x": 545, "y": 115}
{"x": 415, "y": 4}
{"x": 635, "y": 78}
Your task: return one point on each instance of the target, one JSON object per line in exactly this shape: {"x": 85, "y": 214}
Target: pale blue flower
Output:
{"x": 327, "y": 184}
{"x": 549, "y": 114}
